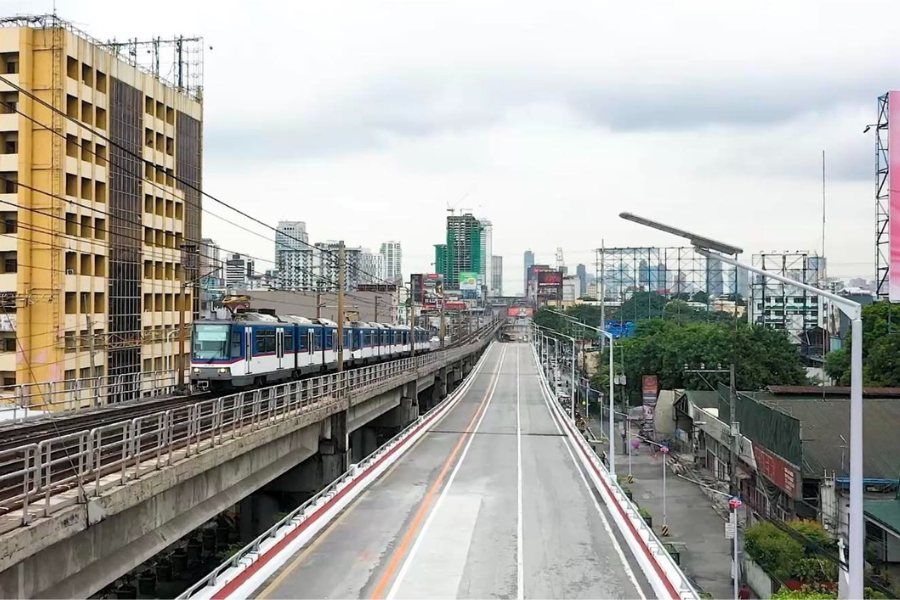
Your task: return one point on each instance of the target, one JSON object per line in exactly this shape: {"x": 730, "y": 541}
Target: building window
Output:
{"x": 10, "y": 264}
{"x": 9, "y": 344}
{"x": 10, "y": 182}
{"x": 101, "y": 82}
{"x": 10, "y": 62}
{"x": 87, "y": 75}
{"x": 70, "y": 342}
{"x": 9, "y": 379}
{"x": 72, "y": 67}
{"x": 10, "y": 143}
{"x": 9, "y": 103}
{"x": 10, "y": 223}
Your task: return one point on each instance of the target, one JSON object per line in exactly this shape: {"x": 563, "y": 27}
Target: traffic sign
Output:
{"x": 734, "y": 502}
{"x": 729, "y": 531}
{"x": 664, "y": 449}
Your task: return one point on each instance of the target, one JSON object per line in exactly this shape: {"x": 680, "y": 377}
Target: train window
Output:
{"x": 289, "y": 340}
{"x": 210, "y": 342}
{"x": 329, "y": 339}
{"x": 265, "y": 342}
{"x": 236, "y": 344}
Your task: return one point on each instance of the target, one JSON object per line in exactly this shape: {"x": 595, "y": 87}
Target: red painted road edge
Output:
{"x": 656, "y": 567}
{"x": 241, "y": 578}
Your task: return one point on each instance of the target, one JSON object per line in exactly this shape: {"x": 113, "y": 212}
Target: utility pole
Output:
{"x": 342, "y": 276}
{"x": 732, "y": 397}
{"x": 602, "y": 292}
{"x": 90, "y": 331}
{"x": 188, "y": 249}
{"x": 376, "y": 307}
{"x": 412, "y": 319}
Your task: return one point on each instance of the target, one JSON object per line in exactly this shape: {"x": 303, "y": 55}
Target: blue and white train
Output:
{"x": 261, "y": 349}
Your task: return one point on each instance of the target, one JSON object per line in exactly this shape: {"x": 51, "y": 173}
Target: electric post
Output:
{"x": 342, "y": 277}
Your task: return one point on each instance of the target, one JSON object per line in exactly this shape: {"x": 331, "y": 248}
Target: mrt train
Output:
{"x": 262, "y": 349}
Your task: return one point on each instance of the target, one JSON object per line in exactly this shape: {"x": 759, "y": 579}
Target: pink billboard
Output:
{"x": 894, "y": 194}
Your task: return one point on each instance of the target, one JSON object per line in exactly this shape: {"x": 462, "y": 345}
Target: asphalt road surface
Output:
{"x": 490, "y": 503}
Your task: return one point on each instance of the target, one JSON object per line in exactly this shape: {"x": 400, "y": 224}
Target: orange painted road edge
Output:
{"x": 400, "y": 551}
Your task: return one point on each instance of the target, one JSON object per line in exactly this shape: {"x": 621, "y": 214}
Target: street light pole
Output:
{"x": 718, "y": 251}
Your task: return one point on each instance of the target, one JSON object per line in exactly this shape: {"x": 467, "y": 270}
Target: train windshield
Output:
{"x": 211, "y": 342}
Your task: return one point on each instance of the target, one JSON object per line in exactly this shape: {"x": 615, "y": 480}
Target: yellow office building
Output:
{"x": 100, "y": 171}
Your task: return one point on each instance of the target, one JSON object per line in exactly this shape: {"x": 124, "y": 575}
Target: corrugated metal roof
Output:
{"x": 814, "y": 390}
{"x": 884, "y": 512}
{"x": 825, "y": 434}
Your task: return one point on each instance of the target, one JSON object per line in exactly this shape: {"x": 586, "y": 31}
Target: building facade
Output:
{"x": 371, "y": 268}
{"x": 327, "y": 270}
{"x": 486, "y": 265}
{"x": 581, "y": 273}
{"x": 529, "y": 262}
{"x": 209, "y": 259}
{"x": 238, "y": 271}
{"x": 392, "y": 261}
{"x": 292, "y": 256}
{"x": 101, "y": 262}
{"x": 463, "y": 248}
{"x": 496, "y": 276}
{"x": 783, "y": 306}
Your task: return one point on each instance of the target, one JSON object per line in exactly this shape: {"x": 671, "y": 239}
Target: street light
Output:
{"x": 572, "y": 376}
{"x": 853, "y": 310}
{"x": 612, "y": 392}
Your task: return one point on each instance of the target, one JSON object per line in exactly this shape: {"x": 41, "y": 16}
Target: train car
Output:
{"x": 260, "y": 349}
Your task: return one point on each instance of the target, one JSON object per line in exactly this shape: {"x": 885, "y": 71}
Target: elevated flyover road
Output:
{"x": 490, "y": 502}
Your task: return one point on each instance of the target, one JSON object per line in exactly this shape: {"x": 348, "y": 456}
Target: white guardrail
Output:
{"x": 39, "y": 479}
{"x": 664, "y": 575}
{"x": 250, "y": 567}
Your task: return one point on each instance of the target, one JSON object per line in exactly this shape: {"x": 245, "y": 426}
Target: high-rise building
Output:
{"x": 581, "y": 273}
{"x": 486, "y": 267}
{"x": 463, "y": 248}
{"x": 496, "y": 276}
{"x": 327, "y": 270}
{"x": 112, "y": 157}
{"x": 293, "y": 256}
{"x": 238, "y": 272}
{"x": 371, "y": 268}
{"x": 392, "y": 261}
{"x": 529, "y": 262}
{"x": 715, "y": 282}
{"x": 440, "y": 260}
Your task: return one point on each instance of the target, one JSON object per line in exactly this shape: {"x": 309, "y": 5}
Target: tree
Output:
{"x": 881, "y": 348}
{"x": 663, "y": 348}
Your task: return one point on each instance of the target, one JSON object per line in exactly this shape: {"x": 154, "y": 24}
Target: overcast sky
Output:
{"x": 368, "y": 119}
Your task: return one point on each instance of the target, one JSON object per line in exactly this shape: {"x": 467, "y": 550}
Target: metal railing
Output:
{"x": 19, "y": 402}
{"x": 37, "y": 480}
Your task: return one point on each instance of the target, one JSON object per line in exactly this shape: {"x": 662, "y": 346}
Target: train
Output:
{"x": 261, "y": 349}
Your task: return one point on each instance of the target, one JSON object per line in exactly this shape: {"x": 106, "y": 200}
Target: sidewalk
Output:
{"x": 695, "y": 528}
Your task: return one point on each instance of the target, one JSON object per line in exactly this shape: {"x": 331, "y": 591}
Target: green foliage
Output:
{"x": 881, "y": 348}
{"x": 773, "y": 549}
{"x": 814, "y": 534}
{"x": 663, "y": 347}
{"x": 805, "y": 592}
{"x": 815, "y": 570}
{"x": 644, "y": 512}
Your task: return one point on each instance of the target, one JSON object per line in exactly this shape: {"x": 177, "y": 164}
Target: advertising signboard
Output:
{"x": 433, "y": 290}
{"x": 418, "y": 288}
{"x": 520, "y": 311}
{"x": 468, "y": 280}
{"x": 650, "y": 389}
{"x": 549, "y": 278}
{"x": 776, "y": 470}
{"x": 455, "y": 306}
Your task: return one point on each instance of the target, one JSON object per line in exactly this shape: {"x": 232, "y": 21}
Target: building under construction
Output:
{"x": 101, "y": 167}
{"x": 464, "y": 247}
{"x": 787, "y": 307}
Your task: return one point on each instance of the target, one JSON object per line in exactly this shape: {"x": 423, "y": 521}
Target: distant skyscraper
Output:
{"x": 327, "y": 266}
{"x": 496, "y": 276}
{"x": 293, "y": 256}
{"x": 238, "y": 271}
{"x": 391, "y": 260}
{"x": 371, "y": 267}
{"x": 529, "y": 262}
{"x": 209, "y": 259}
{"x": 486, "y": 268}
{"x": 581, "y": 273}
{"x": 463, "y": 248}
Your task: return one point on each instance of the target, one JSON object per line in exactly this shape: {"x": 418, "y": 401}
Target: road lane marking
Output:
{"x": 411, "y": 532}
{"x": 331, "y": 527}
{"x": 520, "y": 543}
{"x": 590, "y": 490}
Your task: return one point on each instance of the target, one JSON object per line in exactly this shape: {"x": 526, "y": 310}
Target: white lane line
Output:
{"x": 593, "y": 498}
{"x": 520, "y": 544}
{"x": 437, "y": 505}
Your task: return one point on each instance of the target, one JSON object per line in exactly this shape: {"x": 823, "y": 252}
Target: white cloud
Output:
{"x": 366, "y": 119}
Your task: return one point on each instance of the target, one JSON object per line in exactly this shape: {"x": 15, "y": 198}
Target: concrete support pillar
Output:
{"x": 258, "y": 512}
{"x": 363, "y": 442}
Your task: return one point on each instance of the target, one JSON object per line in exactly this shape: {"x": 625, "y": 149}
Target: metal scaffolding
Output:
{"x": 676, "y": 273}
{"x": 782, "y": 306}
{"x": 882, "y": 198}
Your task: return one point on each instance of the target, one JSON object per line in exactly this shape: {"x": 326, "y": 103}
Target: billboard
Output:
{"x": 468, "y": 280}
{"x": 894, "y": 195}
{"x": 520, "y": 311}
{"x": 433, "y": 291}
{"x": 418, "y": 288}
{"x": 455, "y": 306}
{"x": 650, "y": 393}
{"x": 549, "y": 278}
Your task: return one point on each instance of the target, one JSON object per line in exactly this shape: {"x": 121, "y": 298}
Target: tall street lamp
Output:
{"x": 572, "y": 375}
{"x": 717, "y": 250}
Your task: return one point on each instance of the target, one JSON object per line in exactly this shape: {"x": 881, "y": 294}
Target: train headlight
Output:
{"x": 196, "y": 370}
{"x": 223, "y": 370}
